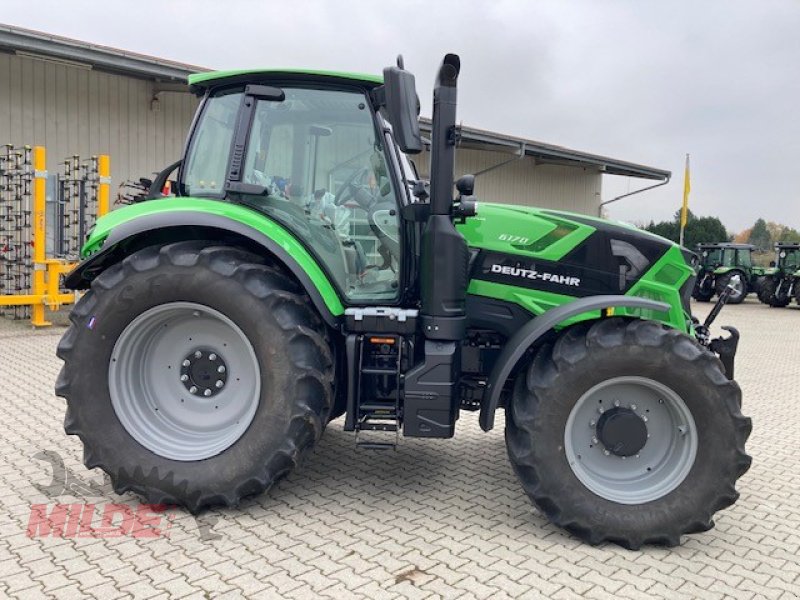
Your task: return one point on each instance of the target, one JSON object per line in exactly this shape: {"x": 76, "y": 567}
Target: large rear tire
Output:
{"x": 195, "y": 375}
{"x": 776, "y": 292}
{"x": 628, "y": 432}
{"x": 738, "y": 281}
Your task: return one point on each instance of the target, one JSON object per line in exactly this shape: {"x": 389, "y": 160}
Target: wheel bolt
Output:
{"x": 184, "y": 377}
{"x": 198, "y": 354}
{"x": 600, "y": 410}
{"x": 193, "y": 389}
{"x": 219, "y": 384}
{"x": 594, "y": 440}
{"x": 212, "y": 356}
{"x": 592, "y": 423}
{"x": 633, "y": 407}
{"x": 606, "y": 452}
{"x": 186, "y": 363}
{"x": 644, "y": 418}
{"x": 616, "y": 402}
{"x": 207, "y": 393}
{"x": 220, "y": 369}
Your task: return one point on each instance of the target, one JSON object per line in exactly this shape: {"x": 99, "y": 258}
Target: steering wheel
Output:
{"x": 349, "y": 188}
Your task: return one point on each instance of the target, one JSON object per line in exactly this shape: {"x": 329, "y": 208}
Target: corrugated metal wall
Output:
{"x": 75, "y": 110}
{"x": 524, "y": 182}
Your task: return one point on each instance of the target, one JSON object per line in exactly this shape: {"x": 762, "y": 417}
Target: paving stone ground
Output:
{"x": 442, "y": 518}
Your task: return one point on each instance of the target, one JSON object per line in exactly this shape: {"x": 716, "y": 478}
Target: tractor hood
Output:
{"x": 565, "y": 253}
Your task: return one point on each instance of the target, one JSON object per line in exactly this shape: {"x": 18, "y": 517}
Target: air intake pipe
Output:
{"x": 445, "y": 257}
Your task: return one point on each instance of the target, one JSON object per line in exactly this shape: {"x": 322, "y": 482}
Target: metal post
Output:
{"x": 39, "y": 234}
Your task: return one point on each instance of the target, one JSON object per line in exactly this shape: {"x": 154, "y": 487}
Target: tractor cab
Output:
{"x": 787, "y": 256}
{"x": 311, "y": 153}
{"x": 714, "y": 256}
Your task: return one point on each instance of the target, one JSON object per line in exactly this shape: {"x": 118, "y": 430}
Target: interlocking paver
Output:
{"x": 442, "y": 518}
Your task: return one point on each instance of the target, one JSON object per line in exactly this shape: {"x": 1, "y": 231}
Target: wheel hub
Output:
{"x": 204, "y": 373}
{"x": 640, "y": 443}
{"x": 622, "y": 431}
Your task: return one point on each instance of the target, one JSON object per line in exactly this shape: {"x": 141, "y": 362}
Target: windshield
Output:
{"x": 712, "y": 256}
{"x": 791, "y": 260}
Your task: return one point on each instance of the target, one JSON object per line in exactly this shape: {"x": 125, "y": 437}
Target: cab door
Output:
{"x": 320, "y": 158}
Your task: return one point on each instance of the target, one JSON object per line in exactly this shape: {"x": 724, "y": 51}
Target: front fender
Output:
{"x": 108, "y": 239}
{"x": 539, "y": 326}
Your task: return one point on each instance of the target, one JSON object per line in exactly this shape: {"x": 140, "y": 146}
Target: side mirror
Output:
{"x": 402, "y": 107}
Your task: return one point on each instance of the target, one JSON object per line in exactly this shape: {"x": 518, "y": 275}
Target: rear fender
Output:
{"x": 112, "y": 242}
{"x": 523, "y": 339}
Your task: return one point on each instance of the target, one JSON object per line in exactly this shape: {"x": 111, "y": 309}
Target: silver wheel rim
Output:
{"x": 662, "y": 463}
{"x": 737, "y": 283}
{"x": 184, "y": 381}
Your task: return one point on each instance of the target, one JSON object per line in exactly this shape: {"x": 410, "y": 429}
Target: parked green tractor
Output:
{"x": 725, "y": 265}
{"x": 782, "y": 279}
{"x": 304, "y": 272}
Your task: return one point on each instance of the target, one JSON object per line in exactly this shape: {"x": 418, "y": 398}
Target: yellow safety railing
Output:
{"x": 46, "y": 290}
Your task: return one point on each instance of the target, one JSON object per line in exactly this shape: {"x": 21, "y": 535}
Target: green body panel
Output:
{"x": 235, "y": 212}
{"x": 550, "y": 235}
{"x": 212, "y": 76}
{"x": 522, "y": 230}
{"x": 528, "y": 232}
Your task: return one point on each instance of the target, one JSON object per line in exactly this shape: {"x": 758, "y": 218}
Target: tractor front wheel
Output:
{"x": 628, "y": 432}
{"x": 195, "y": 374}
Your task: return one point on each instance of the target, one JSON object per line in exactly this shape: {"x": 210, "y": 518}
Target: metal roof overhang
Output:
{"x": 479, "y": 139}
{"x": 26, "y": 42}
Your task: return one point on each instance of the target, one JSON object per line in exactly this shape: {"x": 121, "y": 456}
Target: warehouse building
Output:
{"x": 77, "y": 98}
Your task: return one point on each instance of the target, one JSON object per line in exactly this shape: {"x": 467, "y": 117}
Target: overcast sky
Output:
{"x": 640, "y": 81}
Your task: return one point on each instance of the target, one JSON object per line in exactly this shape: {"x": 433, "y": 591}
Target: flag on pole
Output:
{"x": 687, "y": 187}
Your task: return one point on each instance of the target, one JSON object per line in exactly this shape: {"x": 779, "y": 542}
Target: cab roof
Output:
{"x": 209, "y": 78}
{"x": 726, "y": 245}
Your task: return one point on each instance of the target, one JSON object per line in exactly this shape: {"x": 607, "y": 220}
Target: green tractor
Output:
{"x": 725, "y": 265}
{"x": 782, "y": 280}
{"x": 304, "y": 272}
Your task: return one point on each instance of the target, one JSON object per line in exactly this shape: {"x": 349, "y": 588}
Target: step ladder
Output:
{"x": 380, "y": 356}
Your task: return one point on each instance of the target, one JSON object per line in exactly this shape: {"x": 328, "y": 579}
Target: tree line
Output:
{"x": 762, "y": 234}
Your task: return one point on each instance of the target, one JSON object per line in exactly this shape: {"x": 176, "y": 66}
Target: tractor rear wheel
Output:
{"x": 628, "y": 432}
{"x": 195, "y": 374}
{"x": 736, "y": 280}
